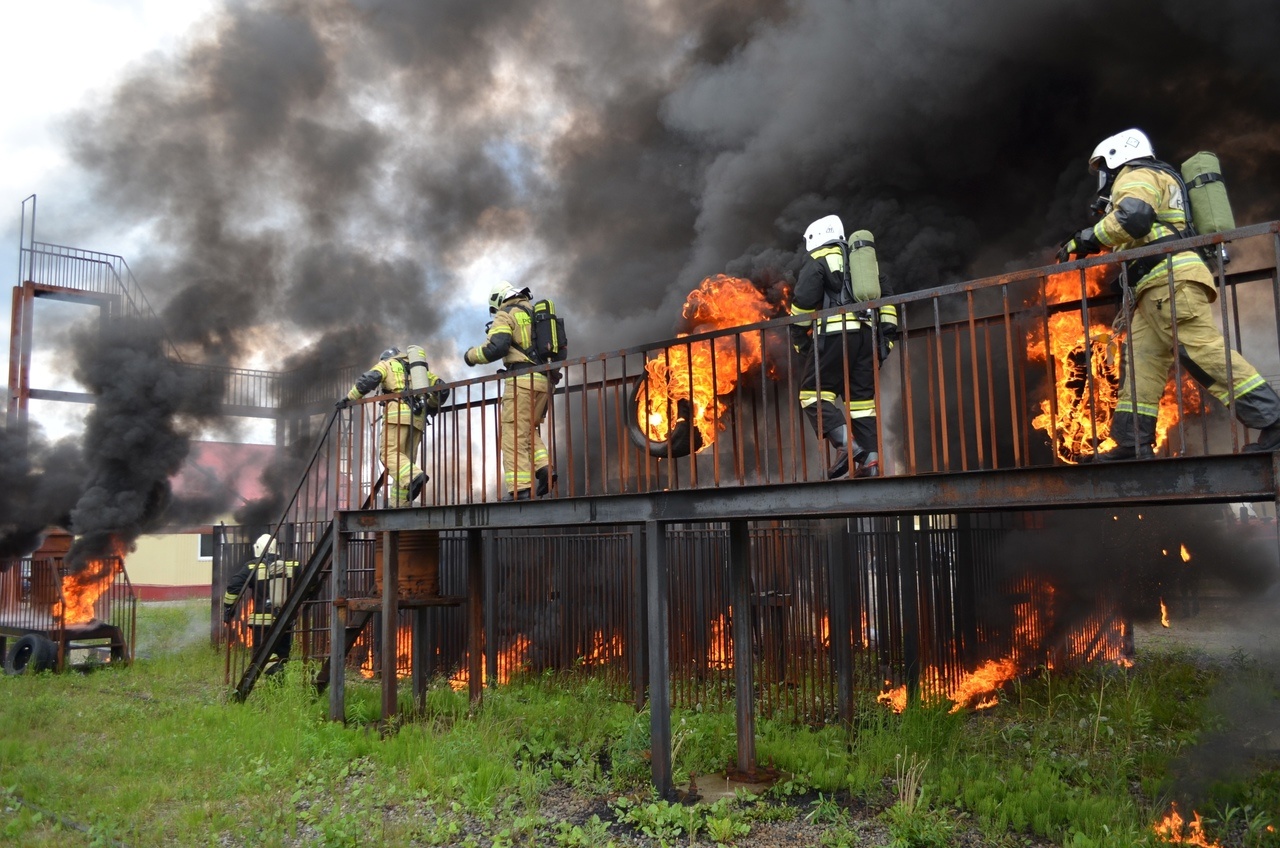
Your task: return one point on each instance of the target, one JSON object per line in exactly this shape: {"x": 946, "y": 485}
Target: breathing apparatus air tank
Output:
{"x": 864, "y": 270}
{"x": 1210, "y": 208}
{"x": 419, "y": 376}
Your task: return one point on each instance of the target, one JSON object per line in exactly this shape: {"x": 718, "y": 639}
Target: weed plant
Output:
{"x": 156, "y": 754}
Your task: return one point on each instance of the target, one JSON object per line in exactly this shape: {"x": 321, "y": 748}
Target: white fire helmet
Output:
{"x": 823, "y": 231}
{"x": 1119, "y": 149}
{"x": 264, "y": 544}
{"x": 501, "y": 292}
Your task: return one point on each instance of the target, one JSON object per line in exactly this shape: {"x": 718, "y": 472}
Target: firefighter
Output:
{"x": 403, "y": 420}
{"x": 266, "y": 578}
{"x": 839, "y": 351}
{"x": 1144, "y": 202}
{"x": 524, "y": 394}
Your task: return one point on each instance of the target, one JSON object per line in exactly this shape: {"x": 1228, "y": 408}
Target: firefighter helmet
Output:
{"x": 388, "y": 353}
{"x": 264, "y": 545}
{"x": 1120, "y": 149}
{"x": 823, "y": 231}
{"x": 501, "y": 292}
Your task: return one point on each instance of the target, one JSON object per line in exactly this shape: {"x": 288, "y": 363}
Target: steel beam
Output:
{"x": 1182, "y": 480}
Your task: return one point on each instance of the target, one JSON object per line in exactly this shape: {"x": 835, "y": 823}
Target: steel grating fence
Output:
{"x": 923, "y": 600}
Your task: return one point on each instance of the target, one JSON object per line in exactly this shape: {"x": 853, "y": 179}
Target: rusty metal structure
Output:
{"x": 720, "y": 564}
{"x": 44, "y": 626}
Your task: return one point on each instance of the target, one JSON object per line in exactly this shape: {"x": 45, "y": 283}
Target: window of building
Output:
{"x": 206, "y": 546}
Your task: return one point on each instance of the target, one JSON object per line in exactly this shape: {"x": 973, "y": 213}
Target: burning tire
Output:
{"x": 682, "y": 439}
{"x": 31, "y": 652}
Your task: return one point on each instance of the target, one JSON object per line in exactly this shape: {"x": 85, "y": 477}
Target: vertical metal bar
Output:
{"x": 977, "y": 385}
{"x": 659, "y": 657}
{"x": 961, "y": 433}
{"x": 475, "y": 616}
{"x": 908, "y": 574}
{"x": 637, "y": 644}
{"x": 390, "y": 619}
{"x": 1177, "y": 365}
{"x": 489, "y": 568}
{"x": 743, "y": 661}
{"x": 841, "y": 628}
{"x": 1090, "y": 389}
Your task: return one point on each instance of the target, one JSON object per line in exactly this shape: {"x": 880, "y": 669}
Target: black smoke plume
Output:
{"x": 341, "y": 169}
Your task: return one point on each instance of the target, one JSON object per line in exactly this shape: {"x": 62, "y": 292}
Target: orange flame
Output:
{"x": 1082, "y": 361}
{"x": 81, "y": 590}
{"x": 1173, "y": 830}
{"x": 1164, "y": 614}
{"x": 1184, "y": 553}
{"x": 510, "y": 660}
{"x": 703, "y": 372}
{"x": 977, "y": 689}
{"x": 720, "y": 652}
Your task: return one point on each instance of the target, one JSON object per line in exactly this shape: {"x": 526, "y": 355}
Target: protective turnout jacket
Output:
{"x": 268, "y": 580}
{"x": 510, "y": 337}
{"x": 1147, "y": 205}
{"x": 392, "y": 375}
{"x": 821, "y": 285}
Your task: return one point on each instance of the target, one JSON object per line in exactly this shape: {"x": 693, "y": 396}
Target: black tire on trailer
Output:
{"x": 31, "y": 652}
{"x": 679, "y": 441}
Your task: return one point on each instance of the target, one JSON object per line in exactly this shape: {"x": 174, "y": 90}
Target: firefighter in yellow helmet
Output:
{"x": 267, "y": 580}
{"x": 1145, "y": 202}
{"x": 403, "y": 420}
{"x": 525, "y": 395}
{"x": 839, "y": 351}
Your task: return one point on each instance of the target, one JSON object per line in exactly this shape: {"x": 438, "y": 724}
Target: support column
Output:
{"x": 338, "y": 626}
{"x": 475, "y": 616}
{"x": 655, "y": 557}
{"x": 743, "y": 660}
{"x": 390, "y": 619}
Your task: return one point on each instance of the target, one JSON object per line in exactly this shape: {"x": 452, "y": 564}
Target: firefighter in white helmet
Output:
{"x": 403, "y": 420}
{"x": 839, "y": 351}
{"x": 525, "y": 394}
{"x": 1145, "y": 202}
{"x": 266, "y": 580}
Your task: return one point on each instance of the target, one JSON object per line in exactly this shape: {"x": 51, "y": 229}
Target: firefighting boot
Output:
{"x": 868, "y": 464}
{"x": 1260, "y": 410}
{"x": 1127, "y": 447}
{"x": 547, "y": 478}
{"x": 416, "y": 485}
{"x": 839, "y": 437}
{"x": 522, "y": 495}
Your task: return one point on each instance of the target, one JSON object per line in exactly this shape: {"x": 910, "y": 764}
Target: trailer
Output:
{"x": 54, "y": 617}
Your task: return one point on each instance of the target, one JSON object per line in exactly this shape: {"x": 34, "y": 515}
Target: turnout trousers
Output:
{"x": 524, "y": 406}
{"x": 838, "y": 376}
{"x": 1201, "y": 350}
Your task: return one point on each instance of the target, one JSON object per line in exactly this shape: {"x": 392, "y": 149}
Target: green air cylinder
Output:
{"x": 1210, "y": 209}
{"x": 864, "y": 270}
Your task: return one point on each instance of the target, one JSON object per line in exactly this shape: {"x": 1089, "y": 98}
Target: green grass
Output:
{"x": 155, "y": 754}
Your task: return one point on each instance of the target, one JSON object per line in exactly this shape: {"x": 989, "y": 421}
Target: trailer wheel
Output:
{"x": 683, "y": 438}
{"x": 31, "y": 652}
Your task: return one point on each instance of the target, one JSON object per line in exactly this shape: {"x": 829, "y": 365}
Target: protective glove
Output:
{"x": 471, "y": 357}
{"x": 342, "y": 404}
{"x": 800, "y": 339}
{"x": 1082, "y": 243}
{"x": 227, "y": 614}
